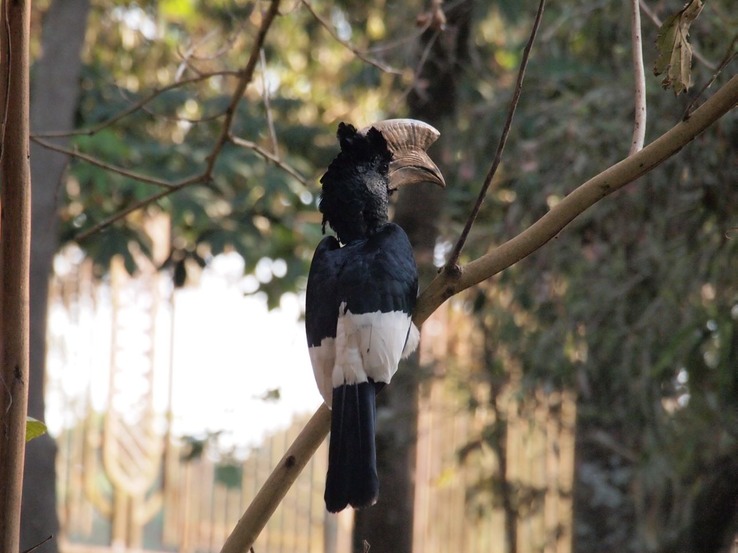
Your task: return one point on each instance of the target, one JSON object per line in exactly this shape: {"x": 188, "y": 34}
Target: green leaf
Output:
{"x": 675, "y": 52}
{"x": 229, "y": 475}
{"x": 34, "y": 428}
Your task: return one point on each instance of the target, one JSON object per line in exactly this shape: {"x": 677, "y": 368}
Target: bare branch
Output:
{"x": 456, "y": 252}
{"x": 275, "y": 159}
{"x": 134, "y": 107}
{"x": 267, "y": 500}
{"x": 267, "y": 104}
{"x": 177, "y": 118}
{"x": 639, "y": 79}
{"x": 453, "y": 280}
{"x": 418, "y": 71}
{"x": 245, "y": 76}
{"x": 358, "y": 53}
{"x": 189, "y": 54}
{"x": 139, "y": 205}
{"x": 730, "y": 55}
{"x": 98, "y": 163}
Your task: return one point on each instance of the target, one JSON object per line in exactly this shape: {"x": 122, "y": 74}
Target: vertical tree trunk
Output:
{"x": 54, "y": 98}
{"x": 15, "y": 240}
{"x": 388, "y": 526}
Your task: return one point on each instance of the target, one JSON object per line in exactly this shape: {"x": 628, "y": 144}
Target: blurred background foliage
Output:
{"x": 634, "y": 306}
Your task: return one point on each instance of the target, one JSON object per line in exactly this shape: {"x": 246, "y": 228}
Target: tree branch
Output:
{"x": 452, "y": 280}
{"x": 133, "y": 107}
{"x": 267, "y": 500}
{"x": 15, "y": 250}
{"x": 269, "y": 156}
{"x": 730, "y": 55}
{"x": 456, "y": 252}
{"x": 245, "y": 76}
{"x": 639, "y": 79}
{"x": 358, "y": 53}
{"x": 98, "y": 163}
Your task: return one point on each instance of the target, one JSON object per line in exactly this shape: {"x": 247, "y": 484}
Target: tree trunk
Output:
{"x": 15, "y": 238}
{"x": 54, "y": 99}
{"x": 388, "y": 526}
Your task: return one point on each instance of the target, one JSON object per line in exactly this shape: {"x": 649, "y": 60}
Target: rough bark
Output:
{"x": 55, "y": 92}
{"x": 15, "y": 207}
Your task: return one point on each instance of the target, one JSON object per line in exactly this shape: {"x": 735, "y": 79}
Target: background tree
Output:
{"x": 222, "y": 116}
{"x": 54, "y": 100}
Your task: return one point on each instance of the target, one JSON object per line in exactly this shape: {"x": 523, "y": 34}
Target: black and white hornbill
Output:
{"x": 361, "y": 292}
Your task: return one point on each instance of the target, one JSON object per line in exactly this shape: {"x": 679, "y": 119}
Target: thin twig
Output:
{"x": 456, "y": 252}
{"x": 98, "y": 163}
{"x": 32, "y": 549}
{"x": 89, "y": 131}
{"x": 175, "y": 118}
{"x": 451, "y": 282}
{"x": 418, "y": 71}
{"x": 189, "y": 54}
{"x": 269, "y": 156}
{"x": 245, "y": 76}
{"x": 639, "y": 80}
{"x": 358, "y": 53}
{"x": 392, "y": 44}
{"x": 267, "y": 104}
{"x": 730, "y": 55}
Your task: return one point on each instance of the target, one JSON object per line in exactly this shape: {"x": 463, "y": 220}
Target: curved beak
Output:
{"x": 414, "y": 167}
{"x": 408, "y": 139}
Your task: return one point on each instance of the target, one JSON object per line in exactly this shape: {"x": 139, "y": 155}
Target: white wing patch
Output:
{"x": 369, "y": 345}
{"x": 323, "y": 357}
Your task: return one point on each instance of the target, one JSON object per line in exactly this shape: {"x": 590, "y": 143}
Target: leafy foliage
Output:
{"x": 634, "y": 307}
{"x": 34, "y": 428}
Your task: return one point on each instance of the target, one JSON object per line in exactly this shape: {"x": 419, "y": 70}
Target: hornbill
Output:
{"x": 361, "y": 292}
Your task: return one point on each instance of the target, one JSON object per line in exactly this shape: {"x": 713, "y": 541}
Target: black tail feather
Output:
{"x": 352, "y": 458}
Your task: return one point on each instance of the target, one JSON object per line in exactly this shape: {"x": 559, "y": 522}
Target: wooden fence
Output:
{"x": 125, "y": 485}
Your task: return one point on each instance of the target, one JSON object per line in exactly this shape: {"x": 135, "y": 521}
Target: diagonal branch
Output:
{"x": 269, "y": 156}
{"x": 452, "y": 280}
{"x": 109, "y": 167}
{"x": 245, "y": 75}
{"x": 133, "y": 107}
{"x": 355, "y": 51}
{"x": 139, "y": 205}
{"x": 730, "y": 55}
{"x": 456, "y": 252}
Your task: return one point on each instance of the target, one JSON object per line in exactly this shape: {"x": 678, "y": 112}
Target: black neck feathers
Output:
{"x": 355, "y": 196}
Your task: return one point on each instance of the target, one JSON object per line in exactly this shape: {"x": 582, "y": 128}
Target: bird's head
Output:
{"x": 372, "y": 164}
